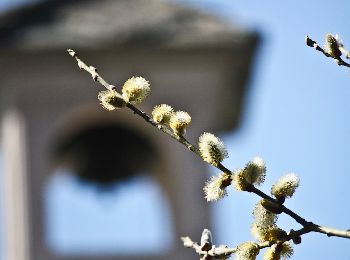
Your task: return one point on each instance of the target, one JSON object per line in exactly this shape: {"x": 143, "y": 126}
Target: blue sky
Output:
{"x": 294, "y": 118}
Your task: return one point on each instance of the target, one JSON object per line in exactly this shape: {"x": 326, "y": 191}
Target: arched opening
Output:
{"x": 104, "y": 154}
{"x": 102, "y": 198}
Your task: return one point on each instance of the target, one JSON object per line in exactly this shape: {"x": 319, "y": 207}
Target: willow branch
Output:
{"x": 214, "y": 252}
{"x": 338, "y": 60}
{"x": 331, "y": 232}
{"x": 313, "y": 227}
{"x": 223, "y": 251}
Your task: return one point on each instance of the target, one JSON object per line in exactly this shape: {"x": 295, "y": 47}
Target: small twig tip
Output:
{"x": 71, "y": 52}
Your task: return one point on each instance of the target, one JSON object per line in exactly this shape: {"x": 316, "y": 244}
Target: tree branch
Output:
{"x": 338, "y": 60}
{"x": 309, "y": 226}
{"x": 331, "y": 232}
{"x": 222, "y": 252}
{"x": 214, "y": 252}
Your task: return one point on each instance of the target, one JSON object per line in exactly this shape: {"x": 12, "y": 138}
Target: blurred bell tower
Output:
{"x": 50, "y": 116}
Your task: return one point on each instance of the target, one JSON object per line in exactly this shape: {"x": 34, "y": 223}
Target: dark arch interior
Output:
{"x": 105, "y": 154}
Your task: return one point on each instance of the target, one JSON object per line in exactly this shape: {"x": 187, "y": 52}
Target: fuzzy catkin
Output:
{"x": 135, "y": 90}
{"x": 214, "y": 189}
{"x": 111, "y": 100}
{"x": 212, "y": 149}
{"x": 179, "y": 121}
{"x": 285, "y": 186}
{"x": 263, "y": 217}
{"x": 247, "y": 251}
{"x": 161, "y": 114}
{"x": 252, "y": 174}
{"x": 332, "y": 46}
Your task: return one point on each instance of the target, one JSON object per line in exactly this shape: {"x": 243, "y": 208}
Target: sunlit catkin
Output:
{"x": 252, "y": 174}
{"x": 215, "y": 188}
{"x": 179, "y": 121}
{"x": 332, "y": 46}
{"x": 247, "y": 251}
{"x": 285, "y": 186}
{"x": 263, "y": 217}
{"x": 255, "y": 171}
{"x": 279, "y": 251}
{"x": 270, "y": 233}
{"x": 135, "y": 90}
{"x": 212, "y": 149}
{"x": 161, "y": 114}
{"x": 111, "y": 100}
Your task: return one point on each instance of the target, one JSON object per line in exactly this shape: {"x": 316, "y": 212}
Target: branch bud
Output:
{"x": 309, "y": 42}
{"x": 72, "y": 53}
{"x": 206, "y": 240}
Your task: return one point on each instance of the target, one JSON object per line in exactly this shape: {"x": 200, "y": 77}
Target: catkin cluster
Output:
{"x": 213, "y": 151}
{"x": 136, "y": 89}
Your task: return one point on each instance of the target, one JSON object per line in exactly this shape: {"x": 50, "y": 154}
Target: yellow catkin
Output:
{"x": 179, "y": 121}
{"x": 285, "y": 186}
{"x": 215, "y": 188}
{"x": 135, "y": 90}
{"x": 161, "y": 114}
{"x": 212, "y": 149}
{"x": 247, "y": 251}
{"x": 111, "y": 100}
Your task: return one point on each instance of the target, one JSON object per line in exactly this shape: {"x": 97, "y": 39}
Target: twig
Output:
{"x": 331, "y": 232}
{"x": 338, "y": 60}
{"x": 223, "y": 251}
{"x": 307, "y": 225}
{"x": 214, "y": 252}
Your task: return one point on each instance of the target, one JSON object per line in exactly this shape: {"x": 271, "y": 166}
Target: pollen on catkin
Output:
{"x": 272, "y": 254}
{"x": 135, "y": 90}
{"x": 287, "y": 250}
{"x": 271, "y": 233}
{"x": 332, "y": 46}
{"x": 263, "y": 217}
{"x": 285, "y": 186}
{"x": 215, "y": 188}
{"x": 279, "y": 251}
{"x": 253, "y": 173}
{"x": 111, "y": 100}
{"x": 212, "y": 149}
{"x": 247, "y": 251}
{"x": 238, "y": 180}
{"x": 161, "y": 114}
{"x": 179, "y": 121}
